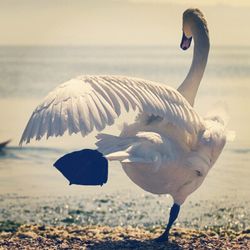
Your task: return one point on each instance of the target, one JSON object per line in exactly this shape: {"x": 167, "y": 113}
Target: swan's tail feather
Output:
{"x": 219, "y": 113}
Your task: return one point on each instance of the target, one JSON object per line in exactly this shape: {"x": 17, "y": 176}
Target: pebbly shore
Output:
{"x": 105, "y": 237}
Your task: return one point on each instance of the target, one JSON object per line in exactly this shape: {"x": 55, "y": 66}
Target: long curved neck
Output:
{"x": 190, "y": 85}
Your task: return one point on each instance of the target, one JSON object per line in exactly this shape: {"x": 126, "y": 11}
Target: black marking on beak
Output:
{"x": 185, "y": 42}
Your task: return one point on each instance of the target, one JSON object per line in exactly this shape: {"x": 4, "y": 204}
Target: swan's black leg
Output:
{"x": 173, "y": 215}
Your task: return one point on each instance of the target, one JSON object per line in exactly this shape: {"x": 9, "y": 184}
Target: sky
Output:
{"x": 118, "y": 22}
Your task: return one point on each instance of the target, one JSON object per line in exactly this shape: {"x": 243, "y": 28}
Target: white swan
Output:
{"x": 169, "y": 148}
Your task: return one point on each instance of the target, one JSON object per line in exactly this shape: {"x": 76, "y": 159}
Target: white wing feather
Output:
{"x": 89, "y": 102}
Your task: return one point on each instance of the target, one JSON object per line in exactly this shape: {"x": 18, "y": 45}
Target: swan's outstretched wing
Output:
{"x": 89, "y": 102}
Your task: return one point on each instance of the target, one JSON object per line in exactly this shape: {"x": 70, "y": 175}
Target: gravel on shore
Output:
{"x": 105, "y": 237}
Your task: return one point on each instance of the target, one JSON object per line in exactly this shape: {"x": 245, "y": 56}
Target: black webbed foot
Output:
{"x": 173, "y": 215}
{"x": 162, "y": 238}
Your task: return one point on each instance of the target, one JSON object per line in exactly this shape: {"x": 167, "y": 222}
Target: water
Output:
{"x": 27, "y": 74}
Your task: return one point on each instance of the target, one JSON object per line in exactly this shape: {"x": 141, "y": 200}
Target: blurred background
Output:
{"x": 44, "y": 43}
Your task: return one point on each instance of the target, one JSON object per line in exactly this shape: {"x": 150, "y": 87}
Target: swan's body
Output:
{"x": 169, "y": 148}
{"x": 161, "y": 159}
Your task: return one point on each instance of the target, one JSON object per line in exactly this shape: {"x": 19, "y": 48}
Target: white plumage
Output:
{"x": 89, "y": 102}
{"x": 169, "y": 148}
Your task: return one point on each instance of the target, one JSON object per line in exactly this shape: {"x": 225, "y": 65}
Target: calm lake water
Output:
{"x": 27, "y": 74}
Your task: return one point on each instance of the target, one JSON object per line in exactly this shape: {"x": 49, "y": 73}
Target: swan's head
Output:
{"x": 193, "y": 20}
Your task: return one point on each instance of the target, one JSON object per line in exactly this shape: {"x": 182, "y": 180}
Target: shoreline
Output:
{"x": 29, "y": 236}
{"x": 123, "y": 210}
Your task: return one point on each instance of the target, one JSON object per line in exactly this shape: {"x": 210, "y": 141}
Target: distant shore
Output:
{"x": 104, "y": 237}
